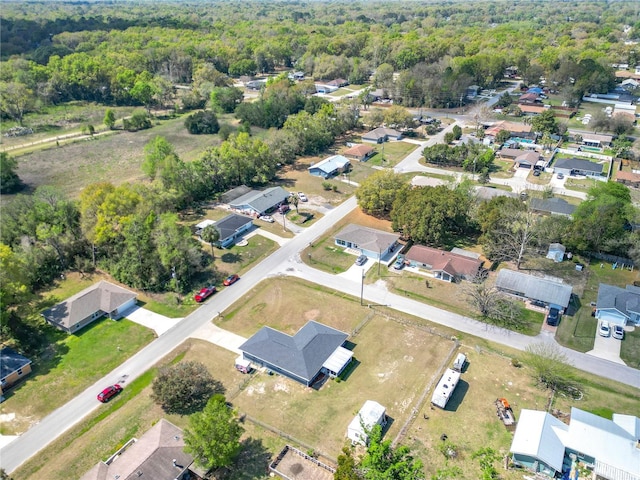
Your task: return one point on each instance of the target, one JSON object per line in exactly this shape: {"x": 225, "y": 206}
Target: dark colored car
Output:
{"x": 554, "y": 317}
{"x": 230, "y": 280}
{"x": 205, "y": 293}
{"x": 108, "y": 393}
{"x": 361, "y": 260}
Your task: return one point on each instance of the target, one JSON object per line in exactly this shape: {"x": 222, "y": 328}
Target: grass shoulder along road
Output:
{"x": 396, "y": 373}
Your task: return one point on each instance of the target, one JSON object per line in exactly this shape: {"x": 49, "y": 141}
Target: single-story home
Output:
{"x": 556, "y": 252}
{"x": 381, "y": 135}
{"x": 330, "y": 166}
{"x": 370, "y": 415}
{"x": 527, "y": 159}
{"x": 325, "y": 88}
{"x": 510, "y": 153}
{"x": 447, "y": 266}
{"x": 158, "y": 454}
{"x": 371, "y": 242}
{"x": 258, "y": 202}
{"x": 230, "y": 228}
{"x": 619, "y": 306}
{"x": 236, "y": 192}
{"x": 630, "y": 83}
{"x": 314, "y": 350}
{"x": 577, "y": 166}
{"x": 81, "y": 309}
{"x": 359, "y": 152}
{"x": 532, "y": 109}
{"x": 13, "y": 368}
{"x": 544, "y": 444}
{"x": 552, "y": 293}
{"x": 338, "y": 82}
{"x": 552, "y": 206}
{"x": 629, "y": 179}
{"x": 596, "y": 140}
{"x": 513, "y": 127}
{"x": 528, "y": 98}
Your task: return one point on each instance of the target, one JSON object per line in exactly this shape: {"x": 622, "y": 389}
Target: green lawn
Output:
{"x": 69, "y": 366}
{"x": 391, "y": 153}
{"x": 239, "y": 259}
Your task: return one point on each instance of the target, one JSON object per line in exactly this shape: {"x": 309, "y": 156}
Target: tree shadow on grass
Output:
{"x": 230, "y": 257}
{"x": 252, "y": 463}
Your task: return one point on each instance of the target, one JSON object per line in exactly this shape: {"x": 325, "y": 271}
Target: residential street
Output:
{"x": 285, "y": 261}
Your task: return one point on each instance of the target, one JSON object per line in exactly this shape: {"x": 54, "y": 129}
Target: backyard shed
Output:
{"x": 556, "y": 252}
{"x": 370, "y": 415}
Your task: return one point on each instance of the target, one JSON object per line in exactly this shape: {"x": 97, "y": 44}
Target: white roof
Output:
{"x": 603, "y": 439}
{"x": 369, "y": 416}
{"x": 537, "y": 436}
{"x": 243, "y": 362}
{"x": 338, "y": 359}
{"x": 204, "y": 224}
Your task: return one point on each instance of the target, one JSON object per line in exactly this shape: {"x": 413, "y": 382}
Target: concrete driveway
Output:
{"x": 156, "y": 322}
{"x": 607, "y": 348}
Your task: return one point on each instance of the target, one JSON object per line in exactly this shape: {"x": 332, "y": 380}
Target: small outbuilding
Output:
{"x": 370, "y": 415}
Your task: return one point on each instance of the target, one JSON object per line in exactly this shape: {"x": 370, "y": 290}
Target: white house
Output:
{"x": 370, "y": 415}
{"x": 618, "y": 306}
{"x": 609, "y": 448}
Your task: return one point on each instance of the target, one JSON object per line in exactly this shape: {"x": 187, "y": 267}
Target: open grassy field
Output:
{"x": 390, "y": 154}
{"x": 113, "y": 158}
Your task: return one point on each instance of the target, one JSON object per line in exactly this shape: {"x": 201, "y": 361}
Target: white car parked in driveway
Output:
{"x": 604, "y": 329}
{"x": 266, "y": 218}
{"x": 302, "y": 197}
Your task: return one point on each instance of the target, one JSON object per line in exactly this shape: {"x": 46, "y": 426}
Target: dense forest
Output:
{"x": 135, "y": 52}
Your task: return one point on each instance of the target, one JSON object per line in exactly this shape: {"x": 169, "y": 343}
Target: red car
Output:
{"x": 230, "y": 280}
{"x": 108, "y": 393}
{"x": 205, "y": 293}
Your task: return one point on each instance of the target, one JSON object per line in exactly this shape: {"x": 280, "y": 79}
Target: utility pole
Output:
{"x": 362, "y": 289}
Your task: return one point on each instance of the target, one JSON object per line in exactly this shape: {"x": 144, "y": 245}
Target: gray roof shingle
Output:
{"x": 552, "y": 205}
{"x": 301, "y": 354}
{"x": 535, "y": 288}
{"x": 103, "y": 296}
{"x": 367, "y": 238}
{"x": 578, "y": 164}
{"x": 261, "y": 201}
{"x": 625, "y": 300}
{"x": 230, "y": 224}
{"x": 11, "y": 361}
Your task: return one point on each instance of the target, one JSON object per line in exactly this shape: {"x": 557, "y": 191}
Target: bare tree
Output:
{"x": 516, "y": 234}
{"x": 550, "y": 367}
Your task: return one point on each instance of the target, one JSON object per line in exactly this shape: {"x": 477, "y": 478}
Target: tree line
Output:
{"x": 425, "y": 56}
{"x": 508, "y": 229}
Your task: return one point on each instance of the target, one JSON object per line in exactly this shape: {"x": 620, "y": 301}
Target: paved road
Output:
{"x": 65, "y": 417}
{"x": 377, "y": 294}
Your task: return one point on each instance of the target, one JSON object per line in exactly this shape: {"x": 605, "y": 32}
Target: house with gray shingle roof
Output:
{"x": 381, "y": 135}
{"x": 371, "y": 242}
{"x": 230, "y": 228}
{"x": 552, "y": 206}
{"x": 158, "y": 454}
{"x": 13, "y": 368}
{"x": 258, "y": 202}
{"x": 78, "y": 311}
{"x": 577, "y": 166}
{"x": 618, "y": 306}
{"x": 551, "y": 292}
{"x": 303, "y": 357}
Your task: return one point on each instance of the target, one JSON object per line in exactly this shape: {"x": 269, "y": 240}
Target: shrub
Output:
{"x": 204, "y": 122}
{"x": 138, "y": 121}
{"x": 326, "y": 185}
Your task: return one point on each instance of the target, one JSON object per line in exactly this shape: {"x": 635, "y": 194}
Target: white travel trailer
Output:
{"x": 370, "y": 415}
{"x": 445, "y": 388}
